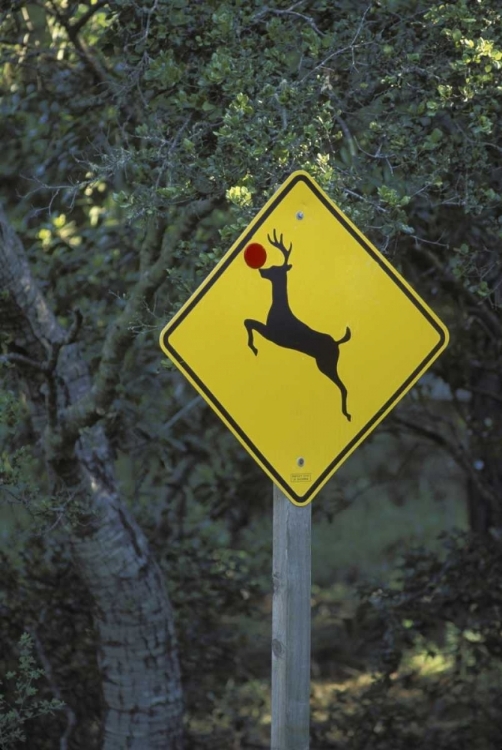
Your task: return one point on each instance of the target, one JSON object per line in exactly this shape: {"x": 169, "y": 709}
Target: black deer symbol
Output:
{"x": 284, "y": 329}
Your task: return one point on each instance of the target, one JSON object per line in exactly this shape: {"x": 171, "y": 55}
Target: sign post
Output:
{"x": 290, "y": 625}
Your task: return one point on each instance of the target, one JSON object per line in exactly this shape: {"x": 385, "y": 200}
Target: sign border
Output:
{"x": 219, "y": 269}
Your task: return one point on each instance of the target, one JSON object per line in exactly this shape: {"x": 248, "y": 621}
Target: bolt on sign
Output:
{"x": 303, "y": 338}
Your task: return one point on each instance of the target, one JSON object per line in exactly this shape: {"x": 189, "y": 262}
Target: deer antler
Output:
{"x": 279, "y": 244}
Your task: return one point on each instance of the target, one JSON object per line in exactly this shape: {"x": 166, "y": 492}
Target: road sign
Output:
{"x": 303, "y": 338}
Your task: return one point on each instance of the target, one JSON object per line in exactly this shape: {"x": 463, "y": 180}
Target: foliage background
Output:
{"x": 115, "y": 117}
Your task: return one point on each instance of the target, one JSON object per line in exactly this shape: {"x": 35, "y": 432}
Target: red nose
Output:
{"x": 255, "y": 255}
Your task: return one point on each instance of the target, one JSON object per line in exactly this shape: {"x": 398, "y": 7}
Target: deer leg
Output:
{"x": 343, "y": 391}
{"x": 331, "y": 372}
{"x": 251, "y": 325}
{"x": 261, "y": 328}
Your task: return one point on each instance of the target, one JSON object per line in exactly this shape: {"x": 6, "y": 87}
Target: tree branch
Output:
{"x": 484, "y": 392}
{"x": 20, "y": 359}
{"x": 78, "y": 25}
{"x": 493, "y": 323}
{"x": 151, "y": 244}
{"x": 87, "y": 411}
{"x": 81, "y": 48}
{"x": 24, "y": 311}
{"x": 457, "y": 452}
{"x": 48, "y": 367}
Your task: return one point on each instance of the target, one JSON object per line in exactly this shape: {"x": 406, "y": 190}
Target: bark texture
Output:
{"x": 138, "y": 653}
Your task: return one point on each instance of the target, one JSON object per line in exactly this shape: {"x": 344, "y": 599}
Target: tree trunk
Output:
{"x": 134, "y": 620}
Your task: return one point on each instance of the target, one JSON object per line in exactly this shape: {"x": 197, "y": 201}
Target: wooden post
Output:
{"x": 291, "y": 625}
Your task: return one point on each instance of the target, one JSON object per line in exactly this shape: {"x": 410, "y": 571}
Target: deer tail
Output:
{"x": 346, "y": 337}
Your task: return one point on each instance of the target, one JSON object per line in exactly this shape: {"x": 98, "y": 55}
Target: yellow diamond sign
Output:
{"x": 303, "y": 338}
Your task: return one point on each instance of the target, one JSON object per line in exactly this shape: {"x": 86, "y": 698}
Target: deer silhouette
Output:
{"x": 285, "y": 329}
